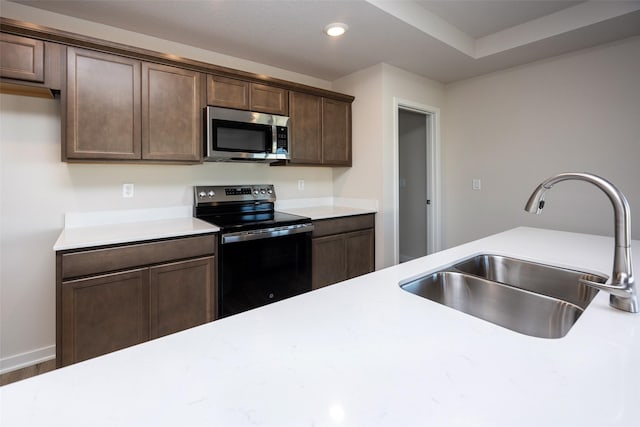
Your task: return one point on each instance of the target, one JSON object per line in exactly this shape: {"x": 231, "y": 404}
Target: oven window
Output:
{"x": 241, "y": 137}
{"x": 258, "y": 272}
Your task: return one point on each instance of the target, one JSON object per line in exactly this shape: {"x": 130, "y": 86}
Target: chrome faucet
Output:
{"x": 622, "y": 287}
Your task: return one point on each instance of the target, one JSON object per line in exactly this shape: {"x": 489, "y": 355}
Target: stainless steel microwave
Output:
{"x": 245, "y": 136}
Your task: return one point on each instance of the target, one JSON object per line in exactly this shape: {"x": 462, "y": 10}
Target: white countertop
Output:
{"x": 327, "y": 207}
{"x": 325, "y": 212}
{"x": 87, "y": 229}
{"x": 364, "y": 353}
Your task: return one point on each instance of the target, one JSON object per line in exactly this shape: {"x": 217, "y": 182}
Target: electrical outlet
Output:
{"x": 127, "y": 190}
{"x": 476, "y": 184}
{"x": 300, "y": 184}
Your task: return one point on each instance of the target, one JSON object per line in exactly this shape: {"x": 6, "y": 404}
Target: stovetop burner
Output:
{"x": 253, "y": 221}
{"x": 236, "y": 208}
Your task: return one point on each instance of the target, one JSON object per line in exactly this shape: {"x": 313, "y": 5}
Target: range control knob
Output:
{"x": 263, "y": 191}
{"x": 202, "y": 194}
{"x": 256, "y": 192}
{"x": 270, "y": 191}
{"x": 211, "y": 193}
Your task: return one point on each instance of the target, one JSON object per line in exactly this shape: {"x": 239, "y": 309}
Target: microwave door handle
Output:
{"x": 274, "y": 139}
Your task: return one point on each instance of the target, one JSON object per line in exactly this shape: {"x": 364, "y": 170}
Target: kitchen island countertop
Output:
{"x": 364, "y": 352}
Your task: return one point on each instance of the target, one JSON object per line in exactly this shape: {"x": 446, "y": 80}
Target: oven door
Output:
{"x": 255, "y": 272}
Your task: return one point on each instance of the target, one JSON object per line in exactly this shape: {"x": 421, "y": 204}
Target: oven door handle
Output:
{"x": 265, "y": 233}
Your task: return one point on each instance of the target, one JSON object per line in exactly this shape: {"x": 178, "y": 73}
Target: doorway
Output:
{"x": 417, "y": 230}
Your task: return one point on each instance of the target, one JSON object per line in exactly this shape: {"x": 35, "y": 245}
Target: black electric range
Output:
{"x": 263, "y": 255}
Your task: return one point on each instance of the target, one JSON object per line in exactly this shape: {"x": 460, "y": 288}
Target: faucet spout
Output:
{"x": 622, "y": 287}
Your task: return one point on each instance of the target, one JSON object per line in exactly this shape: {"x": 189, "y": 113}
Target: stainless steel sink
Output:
{"x": 533, "y": 299}
{"x": 539, "y": 278}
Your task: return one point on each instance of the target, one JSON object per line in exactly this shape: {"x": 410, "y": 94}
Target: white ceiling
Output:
{"x": 445, "y": 40}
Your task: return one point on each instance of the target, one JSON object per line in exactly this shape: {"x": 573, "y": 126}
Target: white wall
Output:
{"x": 364, "y": 178}
{"x": 37, "y": 189}
{"x": 512, "y": 129}
{"x": 372, "y": 174}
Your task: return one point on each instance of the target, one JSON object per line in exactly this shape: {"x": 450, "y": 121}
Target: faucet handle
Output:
{"x": 622, "y": 295}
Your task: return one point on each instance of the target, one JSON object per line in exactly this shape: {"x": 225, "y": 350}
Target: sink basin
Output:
{"x": 533, "y": 299}
{"x": 539, "y": 278}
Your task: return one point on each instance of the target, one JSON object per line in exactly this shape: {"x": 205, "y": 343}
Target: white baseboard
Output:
{"x": 29, "y": 358}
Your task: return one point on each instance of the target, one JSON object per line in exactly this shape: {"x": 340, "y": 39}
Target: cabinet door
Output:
{"x": 171, "y": 113}
{"x": 336, "y": 132}
{"x": 182, "y": 295}
{"x": 360, "y": 253}
{"x": 102, "y": 106}
{"x": 269, "y": 99}
{"x": 104, "y": 313}
{"x": 225, "y": 92}
{"x": 305, "y": 128}
{"x": 21, "y": 58}
{"x": 329, "y": 261}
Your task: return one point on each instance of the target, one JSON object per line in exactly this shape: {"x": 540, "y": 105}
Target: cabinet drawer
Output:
{"x": 96, "y": 261}
{"x": 328, "y": 227}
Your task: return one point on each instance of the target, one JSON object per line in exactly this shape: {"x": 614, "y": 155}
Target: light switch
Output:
{"x": 476, "y": 184}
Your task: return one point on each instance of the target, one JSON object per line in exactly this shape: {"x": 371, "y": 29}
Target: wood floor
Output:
{"x": 29, "y": 371}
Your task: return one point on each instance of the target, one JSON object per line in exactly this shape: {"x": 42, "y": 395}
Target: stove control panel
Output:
{"x": 212, "y": 194}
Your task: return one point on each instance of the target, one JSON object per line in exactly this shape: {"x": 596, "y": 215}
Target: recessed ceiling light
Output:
{"x": 336, "y": 29}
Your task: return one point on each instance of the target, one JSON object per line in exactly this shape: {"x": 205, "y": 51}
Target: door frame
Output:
{"x": 432, "y": 163}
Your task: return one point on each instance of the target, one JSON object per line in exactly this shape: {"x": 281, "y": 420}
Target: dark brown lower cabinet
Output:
{"x": 342, "y": 248}
{"x": 115, "y": 297}
{"x": 104, "y": 313}
{"x": 360, "y": 253}
{"x": 329, "y": 261}
{"x": 182, "y": 295}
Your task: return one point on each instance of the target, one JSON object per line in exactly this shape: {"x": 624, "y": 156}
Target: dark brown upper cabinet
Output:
{"x": 336, "y": 132}
{"x": 269, "y": 99}
{"x": 126, "y": 104}
{"x": 21, "y": 58}
{"x": 225, "y": 92}
{"x": 244, "y": 95}
{"x": 320, "y": 130}
{"x": 305, "y": 128}
{"x": 171, "y": 113}
{"x": 118, "y": 108}
{"x": 30, "y": 67}
{"x": 102, "y": 106}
